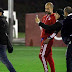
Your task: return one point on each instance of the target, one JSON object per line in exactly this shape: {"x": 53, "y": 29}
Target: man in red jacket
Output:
{"x": 45, "y": 54}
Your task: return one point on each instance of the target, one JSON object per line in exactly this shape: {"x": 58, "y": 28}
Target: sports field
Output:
{"x": 25, "y": 59}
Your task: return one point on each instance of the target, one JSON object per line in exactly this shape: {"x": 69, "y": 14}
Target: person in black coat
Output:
{"x": 4, "y": 42}
{"x": 66, "y": 34}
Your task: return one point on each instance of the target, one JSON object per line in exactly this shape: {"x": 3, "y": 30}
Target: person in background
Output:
{"x": 4, "y": 42}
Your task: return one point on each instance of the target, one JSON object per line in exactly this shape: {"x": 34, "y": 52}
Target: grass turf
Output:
{"x": 21, "y": 35}
{"x": 25, "y": 59}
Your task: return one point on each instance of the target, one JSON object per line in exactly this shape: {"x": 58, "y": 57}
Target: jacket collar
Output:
{"x": 69, "y": 14}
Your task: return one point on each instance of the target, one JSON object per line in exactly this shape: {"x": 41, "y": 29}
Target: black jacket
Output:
{"x": 67, "y": 27}
{"x": 3, "y": 30}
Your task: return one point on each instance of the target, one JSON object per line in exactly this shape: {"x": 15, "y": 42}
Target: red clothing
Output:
{"x": 48, "y": 20}
{"x": 45, "y": 54}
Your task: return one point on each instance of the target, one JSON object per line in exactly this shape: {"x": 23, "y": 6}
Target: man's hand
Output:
{"x": 37, "y": 20}
{"x": 46, "y": 41}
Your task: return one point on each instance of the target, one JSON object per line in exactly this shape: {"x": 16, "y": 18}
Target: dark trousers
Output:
{"x": 69, "y": 58}
{"x": 4, "y": 59}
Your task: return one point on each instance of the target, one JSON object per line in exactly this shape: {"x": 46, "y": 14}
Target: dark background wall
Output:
{"x": 32, "y": 6}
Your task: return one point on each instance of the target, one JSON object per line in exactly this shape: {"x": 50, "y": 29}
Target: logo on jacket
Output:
{"x": 49, "y": 18}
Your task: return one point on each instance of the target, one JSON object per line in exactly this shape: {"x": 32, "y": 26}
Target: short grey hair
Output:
{"x": 49, "y": 3}
{"x": 68, "y": 9}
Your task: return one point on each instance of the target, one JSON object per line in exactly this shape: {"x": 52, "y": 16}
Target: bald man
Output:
{"x": 45, "y": 54}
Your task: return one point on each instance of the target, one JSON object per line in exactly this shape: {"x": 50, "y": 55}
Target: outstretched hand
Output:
{"x": 37, "y": 20}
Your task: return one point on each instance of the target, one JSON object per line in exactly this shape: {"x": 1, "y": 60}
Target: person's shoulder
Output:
{"x": 44, "y": 16}
{"x": 69, "y": 17}
{"x": 60, "y": 22}
{"x": 67, "y": 20}
{"x": 53, "y": 16}
{"x": 2, "y": 17}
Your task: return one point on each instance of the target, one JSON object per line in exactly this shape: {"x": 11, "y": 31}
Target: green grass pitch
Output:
{"x": 25, "y": 59}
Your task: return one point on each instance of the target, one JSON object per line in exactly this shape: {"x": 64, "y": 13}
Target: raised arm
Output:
{"x": 51, "y": 27}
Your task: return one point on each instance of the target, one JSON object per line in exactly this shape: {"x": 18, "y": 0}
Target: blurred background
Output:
{"x": 26, "y": 36}
{"x": 23, "y": 7}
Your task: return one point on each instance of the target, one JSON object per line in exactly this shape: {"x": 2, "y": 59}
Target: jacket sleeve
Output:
{"x": 55, "y": 26}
